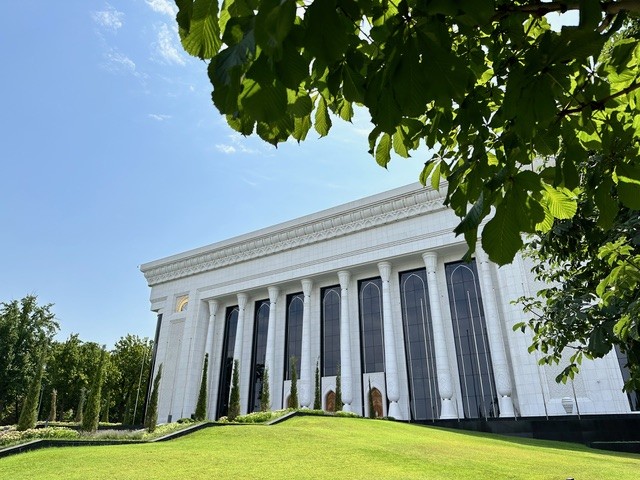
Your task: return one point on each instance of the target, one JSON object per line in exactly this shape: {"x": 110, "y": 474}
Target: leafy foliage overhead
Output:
{"x": 486, "y": 85}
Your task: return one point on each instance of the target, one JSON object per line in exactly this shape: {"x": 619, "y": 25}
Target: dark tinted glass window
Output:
{"x": 260, "y": 329}
{"x": 226, "y": 366}
{"x": 330, "y": 331}
{"x": 472, "y": 344}
{"x": 371, "y": 336}
{"x": 418, "y": 342}
{"x": 293, "y": 343}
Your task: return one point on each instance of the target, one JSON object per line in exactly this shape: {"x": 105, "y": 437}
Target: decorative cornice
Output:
{"x": 337, "y": 222}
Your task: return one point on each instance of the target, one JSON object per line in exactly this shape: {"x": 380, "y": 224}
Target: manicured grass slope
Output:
{"x": 326, "y": 448}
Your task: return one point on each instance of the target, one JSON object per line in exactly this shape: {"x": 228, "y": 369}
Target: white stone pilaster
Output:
{"x": 208, "y": 348}
{"x": 305, "y": 361}
{"x": 213, "y": 310}
{"x": 269, "y": 359}
{"x": 443, "y": 367}
{"x": 346, "y": 383}
{"x": 494, "y": 331}
{"x": 390, "y": 360}
{"x": 237, "y": 348}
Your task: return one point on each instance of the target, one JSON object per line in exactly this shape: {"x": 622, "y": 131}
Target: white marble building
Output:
{"x": 377, "y": 288}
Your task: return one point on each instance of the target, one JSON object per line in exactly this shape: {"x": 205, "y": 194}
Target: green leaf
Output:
{"x": 399, "y": 143}
{"x": 629, "y": 195}
{"x": 273, "y": 23}
{"x": 628, "y": 178}
{"x": 301, "y": 127}
{"x": 547, "y": 224}
{"x": 323, "y": 122}
{"x": 474, "y": 216}
{"x": 501, "y": 235}
{"x": 383, "y": 150}
{"x": 266, "y": 103}
{"x": 590, "y": 13}
{"x": 353, "y": 85}
{"x": 202, "y": 38}
{"x": 560, "y": 202}
{"x": 326, "y": 38}
{"x": 607, "y": 205}
{"x": 435, "y": 176}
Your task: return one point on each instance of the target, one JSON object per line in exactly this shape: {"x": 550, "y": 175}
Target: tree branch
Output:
{"x": 599, "y": 104}
{"x": 539, "y": 9}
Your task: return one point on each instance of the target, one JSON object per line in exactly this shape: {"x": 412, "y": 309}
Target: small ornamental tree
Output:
{"x": 317, "y": 400}
{"x": 105, "y": 408}
{"x": 80, "y": 409}
{"x": 29, "y": 413}
{"x": 201, "y": 406}
{"x": 265, "y": 394}
{"x": 152, "y": 412}
{"x": 234, "y": 399}
{"x": 372, "y": 413}
{"x": 339, "y": 403}
{"x": 92, "y": 414}
{"x": 293, "y": 397}
{"x": 52, "y": 409}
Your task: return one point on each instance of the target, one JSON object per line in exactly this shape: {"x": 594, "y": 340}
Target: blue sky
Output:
{"x": 112, "y": 155}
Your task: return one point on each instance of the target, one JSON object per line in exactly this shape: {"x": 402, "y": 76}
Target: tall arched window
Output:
{"x": 260, "y": 329}
{"x": 371, "y": 332}
{"x": 472, "y": 344}
{"x": 293, "y": 342}
{"x": 418, "y": 342}
{"x": 226, "y": 366}
{"x": 330, "y": 331}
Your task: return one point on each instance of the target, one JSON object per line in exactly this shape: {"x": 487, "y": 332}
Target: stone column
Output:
{"x": 443, "y": 368}
{"x": 346, "y": 384}
{"x": 494, "y": 332}
{"x": 213, "y": 309}
{"x": 390, "y": 360}
{"x": 209, "y": 348}
{"x": 269, "y": 358}
{"x": 237, "y": 348}
{"x": 305, "y": 361}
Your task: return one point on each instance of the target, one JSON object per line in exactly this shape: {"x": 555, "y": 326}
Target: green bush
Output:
{"x": 346, "y": 414}
{"x": 10, "y": 436}
{"x": 258, "y": 417}
{"x": 185, "y": 420}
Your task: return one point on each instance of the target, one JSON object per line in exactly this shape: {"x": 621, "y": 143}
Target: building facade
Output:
{"x": 375, "y": 291}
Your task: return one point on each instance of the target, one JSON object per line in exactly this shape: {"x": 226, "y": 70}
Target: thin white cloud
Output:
{"x": 160, "y": 117}
{"x": 163, "y": 6}
{"x": 166, "y": 45}
{"x": 228, "y": 149}
{"x": 108, "y": 19}
{"x": 118, "y": 63}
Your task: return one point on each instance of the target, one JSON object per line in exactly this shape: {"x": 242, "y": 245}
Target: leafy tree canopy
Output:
{"x": 25, "y": 328}
{"x": 591, "y": 301}
{"x": 486, "y": 85}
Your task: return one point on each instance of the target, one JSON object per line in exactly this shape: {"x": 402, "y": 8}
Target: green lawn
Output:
{"x": 326, "y": 448}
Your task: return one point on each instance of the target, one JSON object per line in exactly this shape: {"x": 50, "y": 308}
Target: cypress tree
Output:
{"x": 234, "y": 400}
{"x": 317, "y": 399}
{"x": 29, "y": 413}
{"x": 152, "y": 411}
{"x": 293, "y": 398}
{"x": 105, "y": 409}
{"x": 126, "y": 419}
{"x": 339, "y": 403}
{"x": 265, "y": 394}
{"x": 201, "y": 406}
{"x": 52, "y": 409}
{"x": 92, "y": 414}
{"x": 79, "y": 411}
